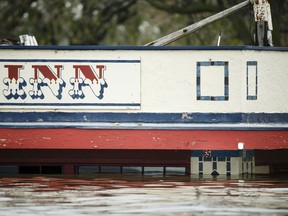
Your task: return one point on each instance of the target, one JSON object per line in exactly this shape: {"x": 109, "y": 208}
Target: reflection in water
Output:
{"x": 142, "y": 195}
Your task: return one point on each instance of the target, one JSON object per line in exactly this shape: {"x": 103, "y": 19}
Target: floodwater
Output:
{"x": 142, "y": 195}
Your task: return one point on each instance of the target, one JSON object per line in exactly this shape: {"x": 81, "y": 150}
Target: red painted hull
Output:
{"x": 68, "y": 138}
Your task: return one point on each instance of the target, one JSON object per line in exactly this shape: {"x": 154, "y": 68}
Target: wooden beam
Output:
{"x": 196, "y": 26}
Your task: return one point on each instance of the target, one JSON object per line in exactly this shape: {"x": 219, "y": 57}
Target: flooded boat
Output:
{"x": 204, "y": 109}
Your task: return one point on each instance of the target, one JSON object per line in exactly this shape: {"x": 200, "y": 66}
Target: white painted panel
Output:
{"x": 194, "y": 165}
{"x": 212, "y": 81}
{"x": 166, "y": 81}
{"x": 70, "y": 83}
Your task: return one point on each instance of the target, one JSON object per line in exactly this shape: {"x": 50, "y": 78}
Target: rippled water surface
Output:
{"x": 142, "y": 195}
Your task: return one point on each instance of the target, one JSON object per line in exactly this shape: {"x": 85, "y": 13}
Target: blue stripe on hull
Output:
{"x": 73, "y": 104}
{"x": 71, "y": 60}
{"x": 223, "y": 153}
{"x": 146, "y": 126}
{"x": 115, "y": 48}
{"x": 108, "y": 117}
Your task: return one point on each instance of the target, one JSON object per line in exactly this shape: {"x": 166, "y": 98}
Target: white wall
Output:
{"x": 168, "y": 78}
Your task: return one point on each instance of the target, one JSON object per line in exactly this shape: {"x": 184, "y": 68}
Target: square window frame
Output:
{"x": 225, "y": 96}
{"x": 251, "y": 97}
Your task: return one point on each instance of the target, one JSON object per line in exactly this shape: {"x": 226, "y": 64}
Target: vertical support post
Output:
{"x": 261, "y": 33}
{"x": 263, "y": 22}
{"x": 188, "y": 169}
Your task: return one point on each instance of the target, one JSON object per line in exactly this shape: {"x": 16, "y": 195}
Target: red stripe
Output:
{"x": 45, "y": 70}
{"x": 13, "y": 71}
{"x": 140, "y": 139}
{"x": 86, "y": 70}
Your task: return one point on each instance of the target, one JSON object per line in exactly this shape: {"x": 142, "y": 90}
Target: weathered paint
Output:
{"x": 155, "y": 98}
{"x": 67, "y": 138}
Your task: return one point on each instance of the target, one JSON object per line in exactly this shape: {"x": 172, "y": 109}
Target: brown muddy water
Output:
{"x": 143, "y": 195}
